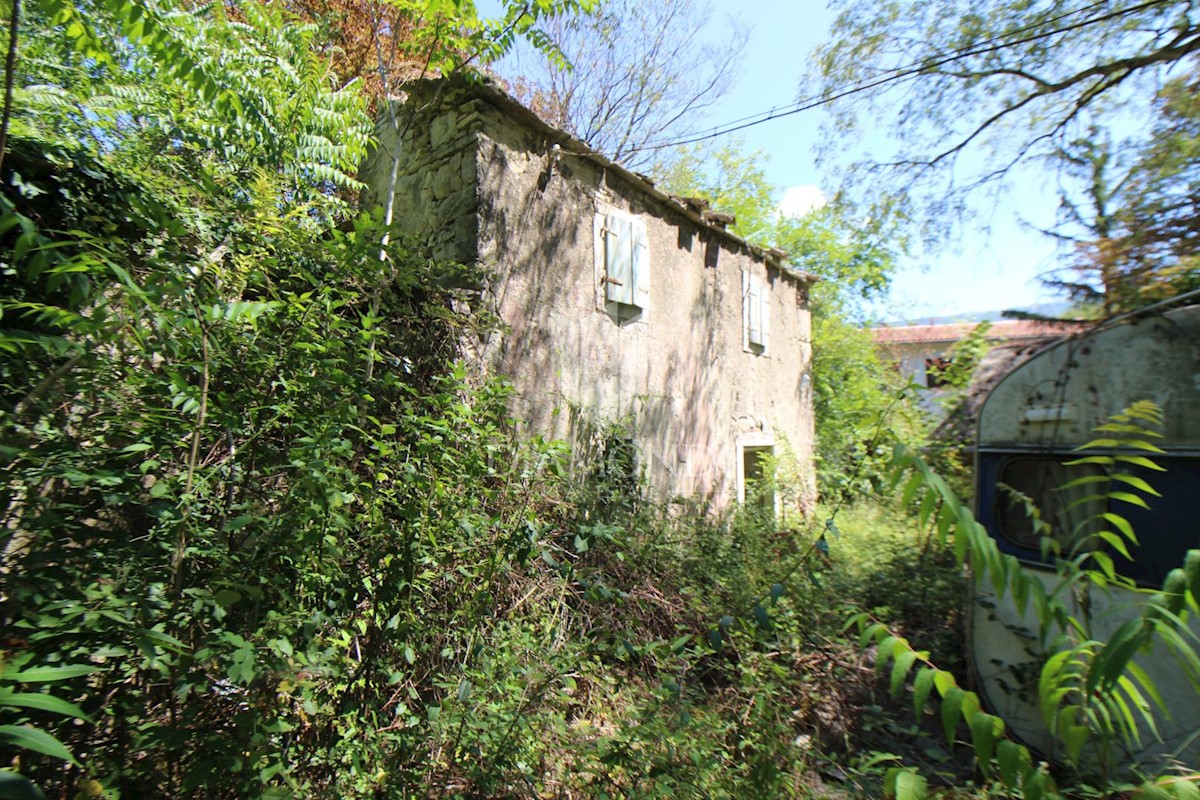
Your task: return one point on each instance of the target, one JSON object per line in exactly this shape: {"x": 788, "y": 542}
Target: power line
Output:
{"x": 995, "y": 44}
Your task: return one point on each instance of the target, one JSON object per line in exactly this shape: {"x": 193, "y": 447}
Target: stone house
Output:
{"x": 633, "y": 321}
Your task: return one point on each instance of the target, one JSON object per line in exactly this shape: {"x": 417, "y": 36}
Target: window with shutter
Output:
{"x": 756, "y": 314}
{"x": 626, "y": 254}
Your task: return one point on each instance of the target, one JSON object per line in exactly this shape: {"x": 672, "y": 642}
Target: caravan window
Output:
{"x": 1042, "y": 481}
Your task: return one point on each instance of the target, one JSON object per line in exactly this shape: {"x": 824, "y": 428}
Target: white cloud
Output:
{"x": 799, "y": 200}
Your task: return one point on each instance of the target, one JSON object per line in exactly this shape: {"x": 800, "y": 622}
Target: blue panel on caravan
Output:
{"x": 1165, "y": 531}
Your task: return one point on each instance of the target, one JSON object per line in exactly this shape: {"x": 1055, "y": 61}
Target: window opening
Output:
{"x": 1071, "y": 513}
{"x": 615, "y": 477}
{"x": 626, "y": 278}
{"x": 935, "y": 372}
{"x": 758, "y": 490}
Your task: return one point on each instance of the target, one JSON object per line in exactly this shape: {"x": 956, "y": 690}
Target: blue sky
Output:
{"x": 995, "y": 261}
{"x": 981, "y": 271}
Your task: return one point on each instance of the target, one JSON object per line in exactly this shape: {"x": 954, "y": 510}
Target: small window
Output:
{"x": 626, "y": 252}
{"x": 616, "y": 476}
{"x": 756, "y": 314}
{"x": 935, "y": 372}
{"x": 1072, "y": 513}
{"x": 618, "y": 466}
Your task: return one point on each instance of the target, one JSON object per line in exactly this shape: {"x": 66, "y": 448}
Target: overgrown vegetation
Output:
{"x": 264, "y": 537}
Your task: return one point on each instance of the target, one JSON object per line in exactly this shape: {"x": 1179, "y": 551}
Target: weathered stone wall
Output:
{"x": 676, "y": 379}
{"x": 433, "y": 151}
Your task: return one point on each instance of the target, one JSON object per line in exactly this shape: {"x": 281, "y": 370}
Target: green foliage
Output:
{"x": 853, "y": 256}
{"x": 1129, "y": 230}
{"x": 453, "y": 36}
{"x": 895, "y": 570}
{"x": 964, "y": 357}
{"x": 1006, "y": 80}
{"x": 16, "y": 702}
{"x": 855, "y": 397}
{"x": 280, "y": 571}
{"x": 267, "y": 538}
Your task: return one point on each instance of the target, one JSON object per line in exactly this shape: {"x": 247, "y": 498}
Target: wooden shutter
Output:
{"x": 764, "y": 315}
{"x": 751, "y": 309}
{"x": 618, "y": 259}
{"x": 641, "y": 265}
{"x": 756, "y": 313}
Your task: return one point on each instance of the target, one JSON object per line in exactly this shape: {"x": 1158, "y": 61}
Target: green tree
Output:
{"x": 1134, "y": 234}
{"x": 1089, "y": 225}
{"x": 1006, "y": 82}
{"x": 852, "y": 254}
{"x": 209, "y": 502}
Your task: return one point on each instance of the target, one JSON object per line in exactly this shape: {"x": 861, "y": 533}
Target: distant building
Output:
{"x": 923, "y": 352}
{"x": 624, "y": 309}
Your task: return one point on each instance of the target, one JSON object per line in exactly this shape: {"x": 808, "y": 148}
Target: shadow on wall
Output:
{"x": 562, "y": 350}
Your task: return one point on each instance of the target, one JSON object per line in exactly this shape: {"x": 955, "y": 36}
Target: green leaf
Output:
{"x": 1082, "y": 480}
{"x": 1182, "y": 788}
{"x": 237, "y": 523}
{"x": 1191, "y": 566}
{"x": 906, "y": 784}
{"x": 1121, "y": 524}
{"x": 1011, "y": 757}
{"x": 1143, "y": 679}
{"x": 985, "y": 728}
{"x": 1103, "y": 461}
{"x": 1174, "y": 591}
{"x": 27, "y": 737}
{"x": 18, "y": 787}
{"x": 1111, "y": 661}
{"x": 1127, "y": 497}
{"x": 1115, "y": 542}
{"x": 762, "y": 618}
{"x": 1033, "y": 784}
{"x": 50, "y": 674}
{"x": 43, "y": 702}
{"x": 1105, "y": 563}
{"x": 922, "y": 687}
{"x": 1136, "y": 482}
{"x": 1073, "y": 736}
{"x": 952, "y": 702}
{"x": 904, "y": 662}
{"x": 1140, "y": 461}
{"x": 885, "y": 652}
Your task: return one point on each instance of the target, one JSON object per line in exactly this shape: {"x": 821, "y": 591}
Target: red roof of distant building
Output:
{"x": 1003, "y": 330}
